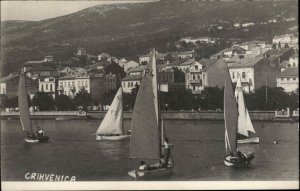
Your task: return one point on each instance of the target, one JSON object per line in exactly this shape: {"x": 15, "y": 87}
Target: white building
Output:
{"x": 194, "y": 77}
{"x": 71, "y": 85}
{"x": 283, "y": 39}
{"x": 289, "y": 79}
{"x": 294, "y": 60}
{"x": 129, "y": 65}
{"x": 130, "y": 82}
{"x": 48, "y": 85}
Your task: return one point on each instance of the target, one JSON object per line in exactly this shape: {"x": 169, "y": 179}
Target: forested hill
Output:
{"x": 126, "y": 29}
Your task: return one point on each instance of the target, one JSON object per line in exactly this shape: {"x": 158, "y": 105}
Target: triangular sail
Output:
{"x": 23, "y": 105}
{"x": 230, "y": 114}
{"x": 244, "y": 121}
{"x": 112, "y": 122}
{"x": 145, "y": 136}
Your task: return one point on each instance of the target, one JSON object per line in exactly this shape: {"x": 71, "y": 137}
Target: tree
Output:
{"x": 108, "y": 97}
{"x": 83, "y": 98}
{"x": 286, "y": 45}
{"x": 44, "y": 101}
{"x": 64, "y": 103}
{"x": 179, "y": 75}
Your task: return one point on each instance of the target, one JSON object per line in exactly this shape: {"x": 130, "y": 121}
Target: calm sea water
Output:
{"x": 198, "y": 152}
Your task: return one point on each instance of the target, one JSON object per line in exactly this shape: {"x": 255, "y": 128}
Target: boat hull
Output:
{"x": 150, "y": 174}
{"x": 43, "y": 139}
{"x": 235, "y": 162}
{"x": 112, "y": 138}
{"x": 254, "y": 140}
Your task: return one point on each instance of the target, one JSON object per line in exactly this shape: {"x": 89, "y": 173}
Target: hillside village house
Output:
{"x": 81, "y": 52}
{"x": 9, "y": 86}
{"x": 70, "y": 71}
{"x": 48, "y": 85}
{"x": 294, "y": 60}
{"x": 144, "y": 59}
{"x": 198, "y": 39}
{"x": 254, "y": 73}
{"x": 103, "y": 56}
{"x": 128, "y": 65}
{"x": 42, "y": 71}
{"x": 289, "y": 79}
{"x": 283, "y": 39}
{"x": 71, "y": 85}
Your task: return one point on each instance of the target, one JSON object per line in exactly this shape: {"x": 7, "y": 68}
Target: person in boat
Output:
{"x": 241, "y": 156}
{"x": 143, "y": 166}
{"x": 40, "y": 132}
{"x": 167, "y": 150}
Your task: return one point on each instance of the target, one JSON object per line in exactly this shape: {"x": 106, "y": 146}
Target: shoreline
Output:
{"x": 168, "y": 115}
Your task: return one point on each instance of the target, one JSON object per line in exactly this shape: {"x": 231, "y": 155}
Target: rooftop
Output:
{"x": 140, "y": 68}
{"x": 246, "y": 62}
{"x": 132, "y": 78}
{"x": 289, "y": 72}
{"x": 9, "y": 77}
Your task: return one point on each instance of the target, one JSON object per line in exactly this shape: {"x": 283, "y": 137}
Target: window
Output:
{"x": 51, "y": 87}
{"x": 46, "y": 87}
{"x": 233, "y": 75}
{"x": 42, "y": 87}
{"x": 294, "y": 79}
{"x": 196, "y": 67}
{"x": 244, "y": 75}
{"x": 61, "y": 83}
{"x": 194, "y": 77}
{"x": 68, "y": 84}
{"x": 287, "y": 79}
{"x": 129, "y": 84}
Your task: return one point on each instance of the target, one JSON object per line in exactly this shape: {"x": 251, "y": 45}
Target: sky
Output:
{"x": 40, "y": 10}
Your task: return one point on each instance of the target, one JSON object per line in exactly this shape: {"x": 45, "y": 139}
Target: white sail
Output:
{"x": 112, "y": 122}
{"x": 244, "y": 121}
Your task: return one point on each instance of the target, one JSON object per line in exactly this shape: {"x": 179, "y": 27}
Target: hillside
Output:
{"x": 126, "y": 29}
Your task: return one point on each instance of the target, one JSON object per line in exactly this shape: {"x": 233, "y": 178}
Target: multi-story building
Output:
{"x": 289, "y": 79}
{"x": 110, "y": 82}
{"x": 294, "y": 59}
{"x": 71, "y": 85}
{"x": 9, "y": 86}
{"x": 254, "y": 73}
{"x": 194, "y": 77}
{"x": 48, "y": 85}
{"x": 130, "y": 82}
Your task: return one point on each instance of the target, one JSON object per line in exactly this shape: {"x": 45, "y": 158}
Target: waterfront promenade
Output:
{"x": 192, "y": 115}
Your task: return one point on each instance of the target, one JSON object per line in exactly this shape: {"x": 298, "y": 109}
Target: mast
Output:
{"x": 161, "y": 138}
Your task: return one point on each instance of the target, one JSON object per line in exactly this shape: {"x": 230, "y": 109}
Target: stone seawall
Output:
{"x": 195, "y": 115}
{"x": 188, "y": 115}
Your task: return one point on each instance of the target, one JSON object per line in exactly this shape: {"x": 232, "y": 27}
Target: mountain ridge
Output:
{"x": 122, "y": 29}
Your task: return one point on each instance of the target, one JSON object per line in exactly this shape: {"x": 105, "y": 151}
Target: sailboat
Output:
{"x": 233, "y": 156}
{"x": 147, "y": 129}
{"x": 30, "y": 136}
{"x": 244, "y": 122}
{"x": 111, "y": 128}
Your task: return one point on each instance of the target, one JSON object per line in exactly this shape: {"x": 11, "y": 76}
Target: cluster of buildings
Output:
{"x": 256, "y": 63}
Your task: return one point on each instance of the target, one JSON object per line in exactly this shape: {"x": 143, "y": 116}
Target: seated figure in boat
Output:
{"x": 143, "y": 166}
{"x": 167, "y": 151}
